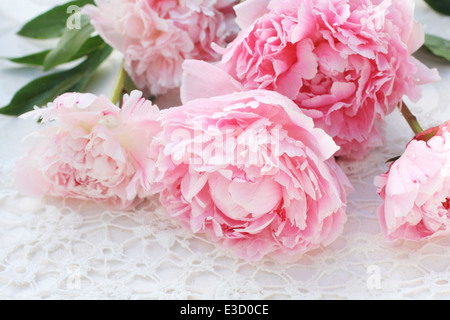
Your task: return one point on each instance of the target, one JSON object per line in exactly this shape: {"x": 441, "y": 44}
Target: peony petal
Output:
{"x": 248, "y": 11}
{"x": 204, "y": 80}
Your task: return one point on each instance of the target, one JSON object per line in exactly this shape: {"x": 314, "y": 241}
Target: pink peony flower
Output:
{"x": 416, "y": 189}
{"x": 346, "y": 63}
{"x": 91, "y": 149}
{"x": 252, "y": 172}
{"x": 156, "y": 36}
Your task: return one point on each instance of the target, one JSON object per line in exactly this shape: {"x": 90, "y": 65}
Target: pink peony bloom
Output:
{"x": 416, "y": 189}
{"x": 91, "y": 149}
{"x": 252, "y": 172}
{"x": 156, "y": 36}
{"x": 346, "y": 63}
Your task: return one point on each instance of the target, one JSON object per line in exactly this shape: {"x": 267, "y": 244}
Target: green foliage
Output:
{"x": 438, "y": 46}
{"x": 52, "y": 23}
{"x": 45, "y": 89}
{"x": 441, "y": 6}
{"x": 75, "y": 42}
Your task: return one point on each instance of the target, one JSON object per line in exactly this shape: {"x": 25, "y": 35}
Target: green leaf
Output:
{"x": 441, "y": 6}
{"x": 438, "y": 46}
{"x": 69, "y": 44}
{"x": 45, "y": 89}
{"x": 37, "y": 59}
{"x": 52, "y": 23}
{"x": 129, "y": 84}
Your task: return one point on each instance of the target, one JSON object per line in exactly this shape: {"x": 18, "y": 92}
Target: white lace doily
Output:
{"x": 65, "y": 249}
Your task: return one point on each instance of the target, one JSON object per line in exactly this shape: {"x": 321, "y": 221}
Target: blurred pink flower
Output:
{"x": 251, "y": 171}
{"x": 156, "y": 36}
{"x": 91, "y": 149}
{"x": 346, "y": 63}
{"x": 416, "y": 189}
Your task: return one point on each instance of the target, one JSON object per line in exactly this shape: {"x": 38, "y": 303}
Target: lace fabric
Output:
{"x": 71, "y": 249}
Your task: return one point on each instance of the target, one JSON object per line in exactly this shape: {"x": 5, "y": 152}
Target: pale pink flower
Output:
{"x": 346, "y": 63}
{"x": 416, "y": 189}
{"x": 252, "y": 172}
{"x": 91, "y": 149}
{"x": 156, "y": 36}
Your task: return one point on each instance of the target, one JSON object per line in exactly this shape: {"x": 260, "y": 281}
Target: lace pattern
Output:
{"x": 70, "y": 249}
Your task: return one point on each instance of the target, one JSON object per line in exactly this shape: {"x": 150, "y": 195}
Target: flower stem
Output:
{"x": 119, "y": 85}
{"x": 410, "y": 118}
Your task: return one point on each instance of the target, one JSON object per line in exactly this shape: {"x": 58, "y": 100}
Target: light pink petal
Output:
{"x": 248, "y": 11}
{"x": 204, "y": 80}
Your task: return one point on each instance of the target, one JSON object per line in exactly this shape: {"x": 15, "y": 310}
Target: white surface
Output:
{"x": 72, "y": 250}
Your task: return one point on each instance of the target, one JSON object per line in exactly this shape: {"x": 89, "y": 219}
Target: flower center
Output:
{"x": 245, "y": 200}
{"x": 109, "y": 121}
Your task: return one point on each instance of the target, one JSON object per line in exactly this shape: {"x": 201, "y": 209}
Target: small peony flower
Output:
{"x": 346, "y": 63}
{"x": 91, "y": 149}
{"x": 156, "y": 36}
{"x": 252, "y": 172}
{"x": 416, "y": 189}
